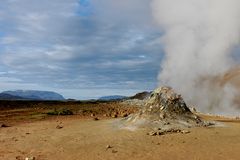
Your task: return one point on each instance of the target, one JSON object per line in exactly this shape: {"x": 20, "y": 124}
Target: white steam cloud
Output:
{"x": 199, "y": 37}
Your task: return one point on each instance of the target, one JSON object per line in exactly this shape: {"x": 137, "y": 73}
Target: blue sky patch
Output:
{"x": 81, "y": 54}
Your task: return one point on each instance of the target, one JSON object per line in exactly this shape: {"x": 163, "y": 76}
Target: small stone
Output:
{"x": 194, "y": 109}
{"x": 185, "y": 132}
{"x": 166, "y": 123}
{"x": 14, "y": 139}
{"x": 114, "y": 115}
{"x": 59, "y": 127}
{"x": 105, "y": 115}
{"x": 30, "y": 158}
{"x": 95, "y": 119}
{"x": 108, "y": 147}
{"x": 124, "y": 115}
{"x": 162, "y": 108}
{"x": 162, "y": 115}
{"x": 114, "y": 151}
{"x": 196, "y": 117}
{"x": 92, "y": 115}
{"x": 152, "y": 133}
{"x": 3, "y": 125}
{"x": 157, "y": 129}
{"x": 161, "y": 133}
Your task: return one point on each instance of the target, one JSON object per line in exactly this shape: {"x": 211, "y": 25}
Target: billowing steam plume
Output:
{"x": 199, "y": 38}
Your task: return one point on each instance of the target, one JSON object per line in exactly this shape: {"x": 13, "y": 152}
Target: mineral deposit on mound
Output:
{"x": 165, "y": 110}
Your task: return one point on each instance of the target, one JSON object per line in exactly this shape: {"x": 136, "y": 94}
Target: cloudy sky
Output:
{"x": 79, "y": 48}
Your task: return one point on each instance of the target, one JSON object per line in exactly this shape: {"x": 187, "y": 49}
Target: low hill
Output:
{"x": 113, "y": 97}
{"x": 35, "y": 95}
{"x": 5, "y": 96}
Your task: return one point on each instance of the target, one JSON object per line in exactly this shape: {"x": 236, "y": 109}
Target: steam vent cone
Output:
{"x": 166, "y": 109}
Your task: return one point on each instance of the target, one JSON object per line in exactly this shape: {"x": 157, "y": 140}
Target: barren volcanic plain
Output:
{"x": 93, "y": 132}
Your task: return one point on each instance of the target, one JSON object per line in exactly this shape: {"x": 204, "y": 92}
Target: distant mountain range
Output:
{"x": 113, "y": 97}
{"x": 30, "y": 95}
{"x": 47, "y": 95}
{"x": 5, "y": 96}
{"x": 140, "y": 96}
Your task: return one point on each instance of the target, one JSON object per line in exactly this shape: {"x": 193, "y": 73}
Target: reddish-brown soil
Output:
{"x": 12, "y": 112}
{"x": 83, "y": 138}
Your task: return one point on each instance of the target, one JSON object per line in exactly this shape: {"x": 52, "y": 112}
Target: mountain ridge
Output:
{"x": 33, "y": 95}
{"x": 112, "y": 97}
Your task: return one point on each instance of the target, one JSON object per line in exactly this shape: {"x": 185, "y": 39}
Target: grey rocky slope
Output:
{"x": 164, "y": 109}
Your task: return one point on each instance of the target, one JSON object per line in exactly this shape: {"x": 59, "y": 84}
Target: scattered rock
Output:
{"x": 193, "y": 109}
{"x": 124, "y": 115}
{"x": 27, "y": 133}
{"x": 185, "y": 132}
{"x": 14, "y": 139}
{"x": 114, "y": 151}
{"x": 108, "y": 147}
{"x": 3, "y": 125}
{"x": 157, "y": 129}
{"x": 166, "y": 123}
{"x": 152, "y": 133}
{"x": 19, "y": 158}
{"x": 172, "y": 130}
{"x": 95, "y": 119}
{"x": 30, "y": 158}
{"x": 59, "y": 127}
{"x": 105, "y": 115}
{"x": 166, "y": 131}
{"x": 162, "y": 116}
{"x": 92, "y": 115}
{"x": 114, "y": 115}
{"x": 208, "y": 124}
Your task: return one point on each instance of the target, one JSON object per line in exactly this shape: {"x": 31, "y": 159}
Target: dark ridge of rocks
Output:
{"x": 141, "y": 95}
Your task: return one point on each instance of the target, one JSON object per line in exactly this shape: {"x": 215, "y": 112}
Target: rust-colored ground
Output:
{"x": 16, "y": 112}
{"x": 83, "y": 138}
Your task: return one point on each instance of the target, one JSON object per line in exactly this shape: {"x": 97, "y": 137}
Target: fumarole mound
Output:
{"x": 164, "y": 109}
